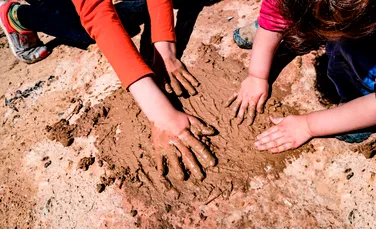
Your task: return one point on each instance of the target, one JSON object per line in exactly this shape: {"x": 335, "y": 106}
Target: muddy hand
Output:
{"x": 179, "y": 77}
{"x": 288, "y": 133}
{"x": 251, "y": 98}
{"x": 193, "y": 152}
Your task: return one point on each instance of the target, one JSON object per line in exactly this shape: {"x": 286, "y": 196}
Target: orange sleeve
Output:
{"x": 100, "y": 20}
{"x": 162, "y": 20}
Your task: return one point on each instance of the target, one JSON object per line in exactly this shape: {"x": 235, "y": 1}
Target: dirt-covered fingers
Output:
{"x": 202, "y": 152}
{"x": 186, "y": 84}
{"x": 175, "y": 85}
{"x": 167, "y": 87}
{"x": 251, "y": 113}
{"x": 174, "y": 162}
{"x": 261, "y": 104}
{"x": 200, "y": 128}
{"x": 231, "y": 100}
{"x": 159, "y": 159}
{"x": 189, "y": 160}
{"x": 190, "y": 77}
{"x": 242, "y": 111}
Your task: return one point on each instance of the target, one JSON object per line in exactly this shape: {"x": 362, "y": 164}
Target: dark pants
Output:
{"x": 59, "y": 18}
{"x": 352, "y": 66}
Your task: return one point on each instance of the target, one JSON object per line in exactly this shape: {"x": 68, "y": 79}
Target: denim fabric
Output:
{"x": 352, "y": 66}
{"x": 59, "y": 18}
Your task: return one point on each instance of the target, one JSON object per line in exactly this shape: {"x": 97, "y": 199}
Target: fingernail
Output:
{"x": 257, "y": 144}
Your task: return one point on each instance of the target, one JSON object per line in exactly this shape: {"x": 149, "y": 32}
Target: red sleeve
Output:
{"x": 100, "y": 20}
{"x": 271, "y": 18}
{"x": 162, "y": 20}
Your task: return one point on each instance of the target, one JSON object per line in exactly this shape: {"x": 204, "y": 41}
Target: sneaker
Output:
{"x": 244, "y": 36}
{"x": 354, "y": 137}
{"x": 25, "y": 45}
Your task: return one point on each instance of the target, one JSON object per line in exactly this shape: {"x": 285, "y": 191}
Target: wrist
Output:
{"x": 257, "y": 77}
{"x": 167, "y": 50}
{"x": 310, "y": 127}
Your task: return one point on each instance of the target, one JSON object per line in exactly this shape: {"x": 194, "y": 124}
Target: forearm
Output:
{"x": 264, "y": 47}
{"x": 354, "y": 115}
{"x": 152, "y": 101}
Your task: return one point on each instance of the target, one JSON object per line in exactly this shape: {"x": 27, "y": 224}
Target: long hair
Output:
{"x": 315, "y": 21}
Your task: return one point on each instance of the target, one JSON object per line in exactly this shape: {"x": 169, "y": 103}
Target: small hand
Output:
{"x": 179, "y": 76}
{"x": 180, "y": 135}
{"x": 288, "y": 133}
{"x": 252, "y": 95}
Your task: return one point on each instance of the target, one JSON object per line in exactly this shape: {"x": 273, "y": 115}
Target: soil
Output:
{"x": 76, "y": 150}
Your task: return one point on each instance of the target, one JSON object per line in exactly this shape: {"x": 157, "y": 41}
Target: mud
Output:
{"x": 124, "y": 141}
{"x": 82, "y": 114}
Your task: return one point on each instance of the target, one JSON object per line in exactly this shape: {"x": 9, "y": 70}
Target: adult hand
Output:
{"x": 251, "y": 97}
{"x": 178, "y": 76}
{"x": 182, "y": 135}
{"x": 288, "y": 133}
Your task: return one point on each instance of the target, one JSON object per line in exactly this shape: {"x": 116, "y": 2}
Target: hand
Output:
{"x": 177, "y": 73}
{"x": 253, "y": 94}
{"x": 181, "y": 134}
{"x": 288, "y": 133}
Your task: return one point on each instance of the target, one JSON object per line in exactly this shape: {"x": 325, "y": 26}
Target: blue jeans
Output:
{"x": 352, "y": 67}
{"x": 59, "y": 18}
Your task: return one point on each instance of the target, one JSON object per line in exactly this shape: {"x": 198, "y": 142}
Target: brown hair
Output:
{"x": 322, "y": 20}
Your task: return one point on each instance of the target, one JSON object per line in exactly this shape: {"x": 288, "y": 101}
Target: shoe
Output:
{"x": 244, "y": 36}
{"x": 25, "y": 45}
{"x": 354, "y": 138}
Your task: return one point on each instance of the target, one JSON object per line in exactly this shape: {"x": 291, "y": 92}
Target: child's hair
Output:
{"x": 323, "y": 20}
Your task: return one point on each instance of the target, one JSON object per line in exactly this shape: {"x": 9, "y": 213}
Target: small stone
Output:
{"x": 100, "y": 188}
{"x": 133, "y": 213}
{"x": 230, "y": 18}
{"x": 45, "y": 158}
{"x": 100, "y": 163}
{"x": 48, "y": 163}
{"x": 350, "y": 175}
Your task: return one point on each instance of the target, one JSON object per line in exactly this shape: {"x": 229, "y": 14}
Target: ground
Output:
{"x": 75, "y": 149}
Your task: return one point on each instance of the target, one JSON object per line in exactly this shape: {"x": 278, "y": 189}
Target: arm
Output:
{"x": 295, "y": 130}
{"x": 254, "y": 89}
{"x": 354, "y": 115}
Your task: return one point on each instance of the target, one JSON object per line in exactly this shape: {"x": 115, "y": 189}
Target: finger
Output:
{"x": 187, "y": 85}
{"x": 190, "y": 161}
{"x": 267, "y": 132}
{"x": 251, "y": 113}
{"x": 168, "y": 87}
{"x": 269, "y": 138}
{"x": 175, "y": 85}
{"x": 241, "y": 113}
{"x": 261, "y": 103}
{"x": 273, "y": 143}
{"x": 159, "y": 160}
{"x": 231, "y": 100}
{"x": 190, "y": 78}
{"x": 202, "y": 127}
{"x": 173, "y": 161}
{"x": 282, "y": 148}
{"x": 276, "y": 121}
{"x": 236, "y": 108}
{"x": 202, "y": 152}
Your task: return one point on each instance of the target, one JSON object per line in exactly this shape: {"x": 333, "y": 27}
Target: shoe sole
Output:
{"x": 11, "y": 44}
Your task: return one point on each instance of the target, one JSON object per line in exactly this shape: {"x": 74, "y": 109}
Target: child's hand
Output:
{"x": 252, "y": 95}
{"x": 288, "y": 133}
{"x": 180, "y": 134}
{"x": 165, "y": 61}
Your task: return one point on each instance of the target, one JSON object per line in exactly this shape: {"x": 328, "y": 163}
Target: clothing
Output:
{"x": 271, "y": 18}
{"x": 352, "y": 63}
{"x": 86, "y": 21}
{"x": 352, "y": 67}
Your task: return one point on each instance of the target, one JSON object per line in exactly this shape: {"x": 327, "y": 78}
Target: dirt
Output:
{"x": 76, "y": 150}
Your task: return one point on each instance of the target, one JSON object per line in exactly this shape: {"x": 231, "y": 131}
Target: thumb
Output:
{"x": 276, "y": 120}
